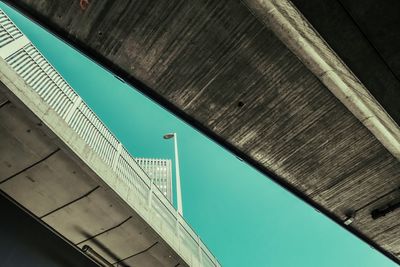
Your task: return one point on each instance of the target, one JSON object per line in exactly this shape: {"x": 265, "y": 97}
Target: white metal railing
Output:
{"x": 38, "y": 73}
{"x": 8, "y": 31}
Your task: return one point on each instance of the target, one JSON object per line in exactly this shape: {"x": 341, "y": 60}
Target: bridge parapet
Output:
{"x": 46, "y": 92}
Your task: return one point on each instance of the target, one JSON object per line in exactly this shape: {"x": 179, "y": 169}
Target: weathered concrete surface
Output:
{"x": 36, "y": 148}
{"x": 290, "y": 26}
{"x": 43, "y": 176}
{"x": 365, "y": 35}
{"x": 26, "y": 242}
{"x": 221, "y": 69}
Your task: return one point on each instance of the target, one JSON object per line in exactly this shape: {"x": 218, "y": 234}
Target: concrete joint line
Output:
{"x": 30, "y": 166}
{"x": 136, "y": 254}
{"x": 71, "y": 202}
{"x": 5, "y": 103}
{"x": 105, "y": 231}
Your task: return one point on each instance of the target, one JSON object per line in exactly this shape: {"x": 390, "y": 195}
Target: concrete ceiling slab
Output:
{"x": 26, "y": 242}
{"x": 151, "y": 258}
{"x": 22, "y": 143}
{"x": 88, "y": 216}
{"x": 365, "y": 36}
{"x": 145, "y": 261}
{"x": 127, "y": 239}
{"x": 3, "y": 99}
{"x": 380, "y": 24}
{"x": 49, "y": 184}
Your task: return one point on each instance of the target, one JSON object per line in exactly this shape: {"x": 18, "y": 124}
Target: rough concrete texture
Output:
{"x": 299, "y": 36}
{"x": 217, "y": 66}
{"x": 364, "y": 33}
{"x": 26, "y": 242}
{"x": 54, "y": 186}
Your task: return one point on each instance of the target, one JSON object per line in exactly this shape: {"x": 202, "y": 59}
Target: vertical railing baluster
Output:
{"x": 72, "y": 110}
{"x": 116, "y": 156}
{"x": 150, "y": 197}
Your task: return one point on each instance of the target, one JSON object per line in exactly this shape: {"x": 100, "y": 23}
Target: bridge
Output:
{"x": 306, "y": 91}
{"x": 65, "y": 167}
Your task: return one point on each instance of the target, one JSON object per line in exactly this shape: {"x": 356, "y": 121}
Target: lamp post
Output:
{"x": 177, "y": 175}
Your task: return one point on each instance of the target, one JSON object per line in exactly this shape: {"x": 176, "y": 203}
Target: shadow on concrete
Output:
{"x": 26, "y": 242}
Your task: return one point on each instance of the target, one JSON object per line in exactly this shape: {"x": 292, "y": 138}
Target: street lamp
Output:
{"x": 177, "y": 176}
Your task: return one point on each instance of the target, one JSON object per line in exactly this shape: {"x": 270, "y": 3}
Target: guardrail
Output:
{"x": 8, "y": 31}
{"x": 38, "y": 73}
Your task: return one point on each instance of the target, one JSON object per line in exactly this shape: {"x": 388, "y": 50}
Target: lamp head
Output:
{"x": 169, "y": 135}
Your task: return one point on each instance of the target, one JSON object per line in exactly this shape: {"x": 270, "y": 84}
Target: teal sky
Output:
{"x": 243, "y": 217}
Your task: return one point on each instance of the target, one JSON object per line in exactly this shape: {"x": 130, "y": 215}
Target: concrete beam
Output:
{"x": 299, "y": 36}
{"x": 364, "y": 35}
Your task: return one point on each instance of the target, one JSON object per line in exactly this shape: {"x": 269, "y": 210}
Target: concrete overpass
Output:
{"x": 61, "y": 163}
{"x": 26, "y": 242}
{"x": 307, "y": 92}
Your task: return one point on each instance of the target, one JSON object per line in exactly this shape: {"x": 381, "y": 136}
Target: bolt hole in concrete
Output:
{"x": 241, "y": 215}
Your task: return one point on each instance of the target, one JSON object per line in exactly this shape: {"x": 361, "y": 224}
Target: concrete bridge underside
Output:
{"x": 40, "y": 173}
{"x": 27, "y": 242}
{"x": 219, "y": 67}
